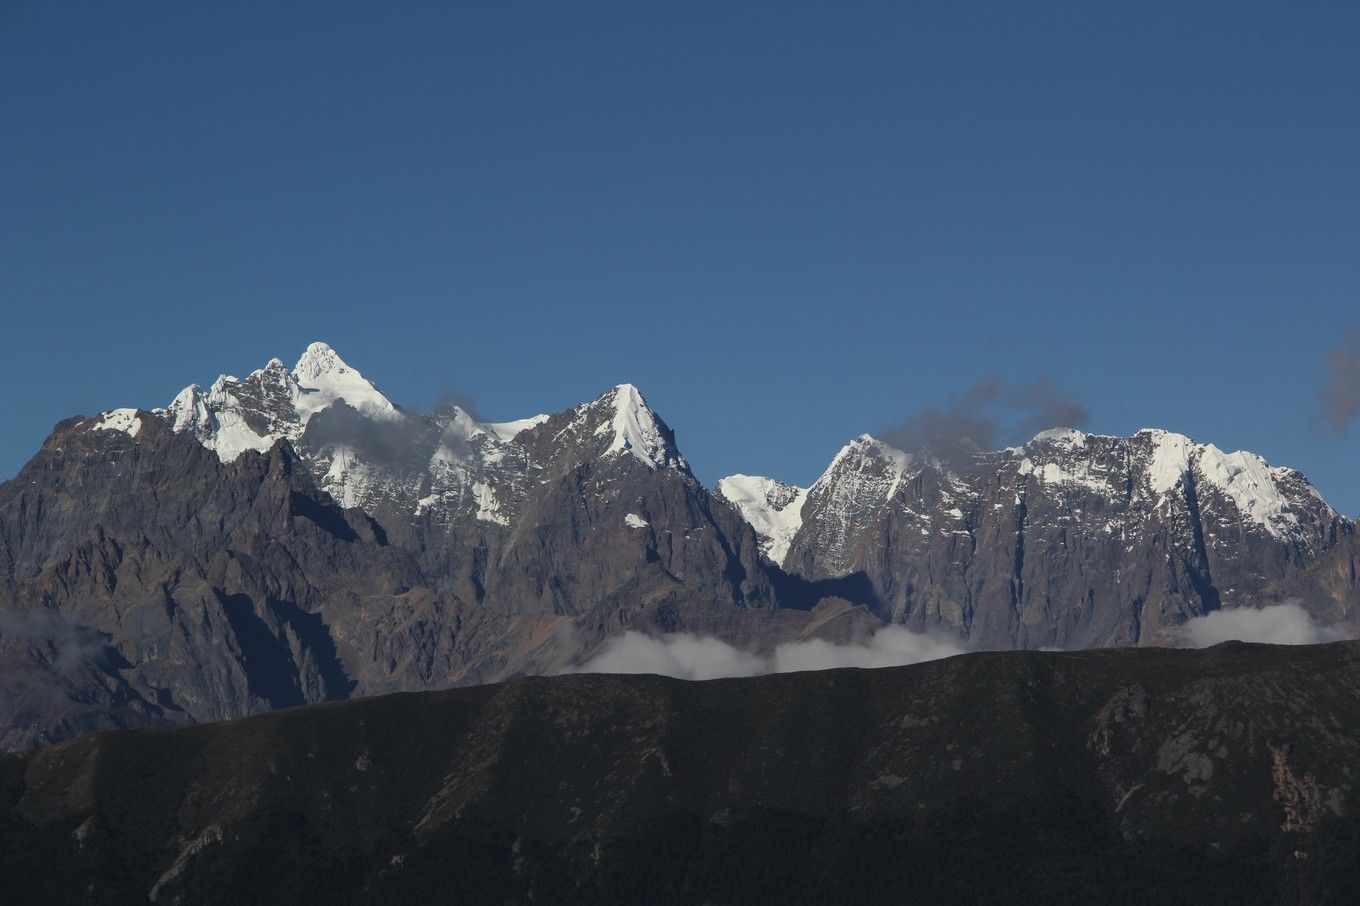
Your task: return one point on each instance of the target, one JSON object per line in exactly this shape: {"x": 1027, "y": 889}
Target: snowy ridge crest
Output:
{"x": 455, "y": 463}
{"x": 272, "y": 403}
{"x": 1163, "y": 462}
{"x": 366, "y": 452}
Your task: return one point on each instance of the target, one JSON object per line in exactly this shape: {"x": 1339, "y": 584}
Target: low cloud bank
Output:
{"x": 1279, "y": 624}
{"x": 891, "y": 646}
{"x": 692, "y": 657}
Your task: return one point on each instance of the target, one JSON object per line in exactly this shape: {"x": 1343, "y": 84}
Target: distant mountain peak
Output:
{"x": 272, "y": 403}
{"x": 638, "y": 431}
{"x": 772, "y": 507}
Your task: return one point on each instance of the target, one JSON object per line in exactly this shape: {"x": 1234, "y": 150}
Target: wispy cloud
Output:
{"x": 989, "y": 411}
{"x": 1341, "y": 395}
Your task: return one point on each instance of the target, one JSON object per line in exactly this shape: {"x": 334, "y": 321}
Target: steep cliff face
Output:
{"x": 1222, "y": 776}
{"x": 1073, "y": 540}
{"x": 146, "y": 580}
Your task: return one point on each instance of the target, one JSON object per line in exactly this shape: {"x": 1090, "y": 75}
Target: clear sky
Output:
{"x": 786, "y": 223}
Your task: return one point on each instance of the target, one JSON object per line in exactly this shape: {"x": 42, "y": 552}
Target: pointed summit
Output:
{"x": 323, "y": 377}
{"x": 318, "y": 359}
{"x": 637, "y": 430}
{"x": 272, "y": 402}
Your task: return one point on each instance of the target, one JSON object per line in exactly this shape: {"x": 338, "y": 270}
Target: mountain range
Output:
{"x": 294, "y": 537}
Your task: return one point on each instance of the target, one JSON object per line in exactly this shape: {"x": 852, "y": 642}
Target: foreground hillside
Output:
{"x": 1223, "y": 775}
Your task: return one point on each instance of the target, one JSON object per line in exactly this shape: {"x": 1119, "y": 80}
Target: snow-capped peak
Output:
{"x": 868, "y": 453}
{"x": 323, "y": 377}
{"x": 272, "y": 403}
{"x": 318, "y": 359}
{"x": 774, "y": 509}
{"x": 636, "y": 430}
{"x": 1260, "y": 492}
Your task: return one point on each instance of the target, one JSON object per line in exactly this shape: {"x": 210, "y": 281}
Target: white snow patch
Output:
{"x": 1066, "y": 437}
{"x": 489, "y": 508}
{"x": 1170, "y": 459}
{"x": 1249, "y": 482}
{"x": 633, "y": 520}
{"x": 1079, "y": 473}
{"x": 508, "y": 431}
{"x": 125, "y": 420}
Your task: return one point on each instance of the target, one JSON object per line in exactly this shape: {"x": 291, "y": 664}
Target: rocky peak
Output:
{"x": 853, "y": 491}
{"x": 634, "y": 429}
{"x": 272, "y": 403}
{"x": 1161, "y": 466}
{"x": 618, "y": 423}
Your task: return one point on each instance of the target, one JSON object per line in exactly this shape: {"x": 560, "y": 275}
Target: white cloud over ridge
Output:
{"x": 692, "y": 657}
{"x": 688, "y": 656}
{"x": 1278, "y": 624}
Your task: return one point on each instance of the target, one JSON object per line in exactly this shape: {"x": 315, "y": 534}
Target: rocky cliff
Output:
{"x": 1073, "y": 540}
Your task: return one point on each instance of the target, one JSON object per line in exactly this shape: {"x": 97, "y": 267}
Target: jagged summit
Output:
{"x": 319, "y": 358}
{"x": 368, "y": 453}
{"x": 272, "y": 403}
{"x": 862, "y": 478}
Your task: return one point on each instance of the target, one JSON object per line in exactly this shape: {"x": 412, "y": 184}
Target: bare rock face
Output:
{"x": 1073, "y": 540}
{"x": 1138, "y": 775}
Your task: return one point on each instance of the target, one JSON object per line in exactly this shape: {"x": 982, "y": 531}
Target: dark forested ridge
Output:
{"x": 1223, "y": 775}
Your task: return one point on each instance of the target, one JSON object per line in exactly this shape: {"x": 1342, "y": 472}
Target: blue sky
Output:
{"x": 786, "y": 223}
